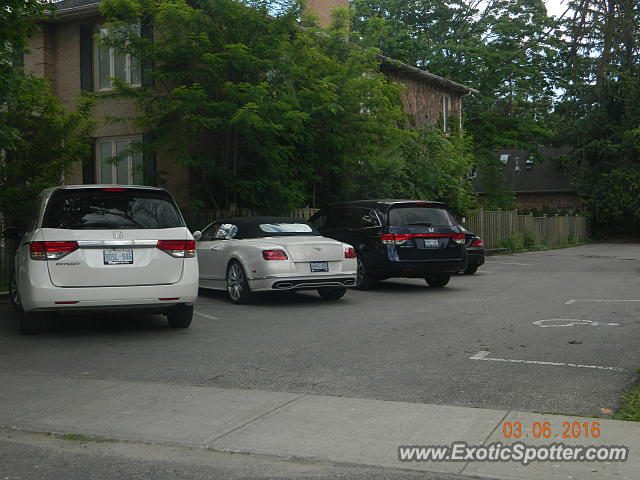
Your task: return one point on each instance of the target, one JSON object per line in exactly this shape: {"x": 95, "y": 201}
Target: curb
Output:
{"x": 495, "y": 251}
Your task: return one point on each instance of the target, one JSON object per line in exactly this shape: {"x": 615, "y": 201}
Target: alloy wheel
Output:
{"x": 235, "y": 281}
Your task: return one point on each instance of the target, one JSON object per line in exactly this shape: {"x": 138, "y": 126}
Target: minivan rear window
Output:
{"x": 420, "y": 216}
{"x": 97, "y": 209}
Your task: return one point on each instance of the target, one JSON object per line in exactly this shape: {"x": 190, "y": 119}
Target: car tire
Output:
{"x": 180, "y": 316}
{"x": 237, "y": 284}
{"x": 363, "y": 279}
{"x": 31, "y": 323}
{"x": 332, "y": 293}
{"x": 14, "y": 295}
{"x": 438, "y": 281}
{"x": 471, "y": 269}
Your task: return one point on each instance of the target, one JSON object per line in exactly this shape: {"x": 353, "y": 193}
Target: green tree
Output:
{"x": 39, "y": 138}
{"x": 267, "y": 114}
{"x": 497, "y": 194}
{"x": 429, "y": 165}
{"x": 600, "y": 110}
{"x": 507, "y": 49}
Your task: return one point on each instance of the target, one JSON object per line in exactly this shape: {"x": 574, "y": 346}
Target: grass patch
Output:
{"x": 630, "y": 409}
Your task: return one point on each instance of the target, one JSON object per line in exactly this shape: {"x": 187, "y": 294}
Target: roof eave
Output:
{"x": 424, "y": 75}
{"x": 79, "y": 11}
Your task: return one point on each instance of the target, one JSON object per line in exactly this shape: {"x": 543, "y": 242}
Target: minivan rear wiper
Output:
{"x": 426, "y": 224}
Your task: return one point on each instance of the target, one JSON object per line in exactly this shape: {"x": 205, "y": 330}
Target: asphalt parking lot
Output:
{"x": 555, "y": 331}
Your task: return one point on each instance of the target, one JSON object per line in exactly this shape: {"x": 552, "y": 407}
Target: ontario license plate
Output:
{"x": 319, "y": 266}
{"x": 431, "y": 243}
{"x": 118, "y": 256}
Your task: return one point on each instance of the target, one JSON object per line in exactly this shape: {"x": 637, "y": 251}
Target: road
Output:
{"x": 555, "y": 331}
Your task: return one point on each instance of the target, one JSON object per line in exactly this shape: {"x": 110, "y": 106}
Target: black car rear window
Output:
{"x": 100, "y": 209}
{"x": 420, "y": 216}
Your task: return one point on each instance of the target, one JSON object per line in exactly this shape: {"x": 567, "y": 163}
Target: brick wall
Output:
{"x": 423, "y": 101}
{"x": 41, "y": 59}
{"x": 323, "y": 9}
{"x": 55, "y": 54}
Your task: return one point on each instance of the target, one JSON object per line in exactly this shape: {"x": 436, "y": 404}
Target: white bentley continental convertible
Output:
{"x": 260, "y": 254}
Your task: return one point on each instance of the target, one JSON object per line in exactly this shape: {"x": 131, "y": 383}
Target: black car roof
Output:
{"x": 385, "y": 203}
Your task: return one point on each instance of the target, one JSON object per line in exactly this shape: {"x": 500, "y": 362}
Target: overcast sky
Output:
{"x": 556, "y": 7}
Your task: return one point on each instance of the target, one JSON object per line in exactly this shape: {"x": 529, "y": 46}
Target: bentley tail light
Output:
{"x": 349, "y": 252}
{"x": 274, "y": 255}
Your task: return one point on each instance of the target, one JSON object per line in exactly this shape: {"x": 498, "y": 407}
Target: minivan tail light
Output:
{"x": 274, "y": 255}
{"x": 51, "y": 250}
{"x": 113, "y": 189}
{"x": 349, "y": 252}
{"x": 178, "y": 248}
{"x": 403, "y": 238}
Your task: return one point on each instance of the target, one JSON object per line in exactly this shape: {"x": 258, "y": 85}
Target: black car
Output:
{"x": 475, "y": 252}
{"x": 397, "y": 238}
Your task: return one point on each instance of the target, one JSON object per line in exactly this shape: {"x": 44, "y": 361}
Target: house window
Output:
{"x": 446, "y": 111}
{"x": 120, "y": 161}
{"x": 113, "y": 64}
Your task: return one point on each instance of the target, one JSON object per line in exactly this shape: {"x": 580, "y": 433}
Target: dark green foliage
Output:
{"x": 504, "y": 48}
{"x": 429, "y": 165}
{"x": 267, "y": 115}
{"x": 529, "y": 240}
{"x": 514, "y": 243}
{"x": 600, "y": 111}
{"x": 497, "y": 194}
{"x": 39, "y": 138}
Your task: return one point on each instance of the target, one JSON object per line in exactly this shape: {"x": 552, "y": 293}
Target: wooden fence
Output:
{"x": 495, "y": 226}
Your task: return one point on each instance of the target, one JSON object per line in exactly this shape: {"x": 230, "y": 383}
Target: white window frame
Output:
{"x": 114, "y": 166}
{"x": 446, "y": 111}
{"x": 112, "y": 61}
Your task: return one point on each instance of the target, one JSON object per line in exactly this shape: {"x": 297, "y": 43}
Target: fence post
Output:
{"x": 482, "y": 232}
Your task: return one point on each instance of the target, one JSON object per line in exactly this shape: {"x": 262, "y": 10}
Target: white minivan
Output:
{"x": 105, "y": 247}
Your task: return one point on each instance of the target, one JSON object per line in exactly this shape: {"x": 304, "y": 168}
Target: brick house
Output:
{"x": 65, "y": 52}
{"x": 535, "y": 183}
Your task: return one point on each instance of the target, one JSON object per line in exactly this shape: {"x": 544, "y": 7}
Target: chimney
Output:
{"x": 324, "y": 8}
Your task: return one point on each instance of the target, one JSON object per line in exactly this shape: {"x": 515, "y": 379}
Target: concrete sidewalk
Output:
{"x": 322, "y": 428}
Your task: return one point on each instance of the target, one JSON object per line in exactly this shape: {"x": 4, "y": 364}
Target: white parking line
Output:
{"x": 483, "y": 355}
{"x": 508, "y": 263}
{"x": 569, "y": 302}
{"x": 570, "y": 322}
{"x": 210, "y": 317}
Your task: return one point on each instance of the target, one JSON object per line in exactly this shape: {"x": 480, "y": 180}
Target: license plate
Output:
{"x": 431, "y": 243}
{"x": 319, "y": 266}
{"x": 118, "y": 256}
